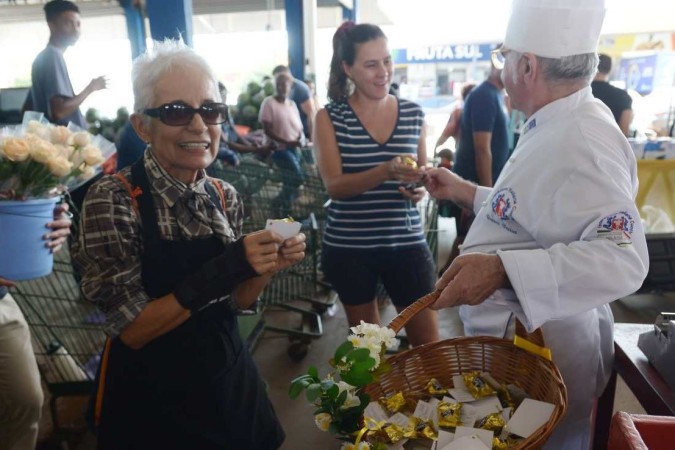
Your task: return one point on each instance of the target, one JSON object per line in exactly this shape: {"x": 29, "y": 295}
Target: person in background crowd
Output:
{"x": 280, "y": 119}
{"x": 20, "y": 391}
{"x": 51, "y": 90}
{"x": 373, "y": 230}
{"x": 558, "y": 237}
{"x": 617, "y": 100}
{"x": 130, "y": 147}
{"x": 447, "y": 158}
{"x": 315, "y": 98}
{"x": 483, "y": 148}
{"x": 302, "y": 96}
{"x": 161, "y": 253}
{"x": 231, "y": 143}
{"x": 453, "y": 127}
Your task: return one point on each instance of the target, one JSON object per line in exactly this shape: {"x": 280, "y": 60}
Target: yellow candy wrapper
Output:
{"x": 394, "y": 433}
{"x": 420, "y": 429}
{"x": 477, "y": 386}
{"x": 493, "y": 422}
{"x": 449, "y": 414}
{"x": 408, "y": 161}
{"x": 394, "y": 403}
{"x": 434, "y": 387}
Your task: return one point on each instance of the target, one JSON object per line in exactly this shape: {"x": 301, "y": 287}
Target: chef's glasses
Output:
{"x": 179, "y": 114}
{"x": 498, "y": 57}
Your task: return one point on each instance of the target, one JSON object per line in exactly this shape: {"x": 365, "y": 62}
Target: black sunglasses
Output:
{"x": 179, "y": 114}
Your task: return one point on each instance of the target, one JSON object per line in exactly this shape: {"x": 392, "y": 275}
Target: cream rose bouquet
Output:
{"x": 38, "y": 159}
{"x": 339, "y": 395}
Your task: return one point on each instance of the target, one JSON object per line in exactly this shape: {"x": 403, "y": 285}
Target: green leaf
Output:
{"x": 342, "y": 350}
{"x": 327, "y": 384}
{"x": 333, "y": 392}
{"x": 295, "y": 390}
{"x": 360, "y": 354}
{"x": 358, "y": 379}
{"x": 341, "y": 399}
{"x": 313, "y": 372}
{"x": 313, "y": 391}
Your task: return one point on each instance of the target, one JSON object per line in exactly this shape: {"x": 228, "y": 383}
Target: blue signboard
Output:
{"x": 443, "y": 53}
{"x": 638, "y": 73}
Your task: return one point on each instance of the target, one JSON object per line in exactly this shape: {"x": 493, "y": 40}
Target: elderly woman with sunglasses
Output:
{"x": 162, "y": 254}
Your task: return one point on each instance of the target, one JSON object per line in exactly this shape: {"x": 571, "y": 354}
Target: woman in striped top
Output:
{"x": 374, "y": 230}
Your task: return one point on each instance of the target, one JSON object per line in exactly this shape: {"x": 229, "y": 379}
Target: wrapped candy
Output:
{"x": 394, "y": 403}
{"x": 449, "y": 414}
{"x": 420, "y": 429}
{"x": 493, "y": 422}
{"x": 394, "y": 432}
{"x": 434, "y": 387}
{"x": 408, "y": 161}
{"x": 477, "y": 386}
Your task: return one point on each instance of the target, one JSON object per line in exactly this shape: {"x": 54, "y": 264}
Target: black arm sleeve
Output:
{"x": 216, "y": 278}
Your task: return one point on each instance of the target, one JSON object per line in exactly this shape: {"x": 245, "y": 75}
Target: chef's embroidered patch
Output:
{"x": 617, "y": 228}
{"x": 503, "y": 205}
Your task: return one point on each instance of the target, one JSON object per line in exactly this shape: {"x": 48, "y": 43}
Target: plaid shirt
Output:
{"x": 109, "y": 245}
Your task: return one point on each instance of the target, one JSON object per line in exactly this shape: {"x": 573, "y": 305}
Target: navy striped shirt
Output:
{"x": 380, "y": 218}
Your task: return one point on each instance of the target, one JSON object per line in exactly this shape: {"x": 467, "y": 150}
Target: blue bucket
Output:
{"x": 23, "y": 254}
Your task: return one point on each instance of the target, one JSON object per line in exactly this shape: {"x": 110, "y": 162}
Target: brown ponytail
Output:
{"x": 345, "y": 40}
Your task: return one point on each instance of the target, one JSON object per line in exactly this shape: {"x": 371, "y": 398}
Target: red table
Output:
{"x": 641, "y": 378}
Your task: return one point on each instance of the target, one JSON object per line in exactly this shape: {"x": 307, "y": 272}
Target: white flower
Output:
{"x": 15, "y": 149}
{"x": 92, "y": 155}
{"x": 41, "y": 151}
{"x": 372, "y": 337}
{"x": 323, "y": 421}
{"x": 350, "y": 446}
{"x": 81, "y": 139}
{"x": 59, "y": 167}
{"x": 59, "y": 135}
{"x": 87, "y": 173}
{"x": 351, "y": 400}
{"x": 38, "y": 129}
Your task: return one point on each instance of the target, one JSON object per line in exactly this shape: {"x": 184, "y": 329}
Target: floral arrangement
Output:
{"x": 339, "y": 396}
{"x": 38, "y": 159}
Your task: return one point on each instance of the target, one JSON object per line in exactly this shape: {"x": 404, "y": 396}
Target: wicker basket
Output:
{"x": 412, "y": 369}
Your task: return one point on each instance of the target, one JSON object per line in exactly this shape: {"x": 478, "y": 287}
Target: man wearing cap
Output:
{"x": 558, "y": 237}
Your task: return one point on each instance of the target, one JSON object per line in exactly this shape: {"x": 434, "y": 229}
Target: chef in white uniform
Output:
{"x": 559, "y": 236}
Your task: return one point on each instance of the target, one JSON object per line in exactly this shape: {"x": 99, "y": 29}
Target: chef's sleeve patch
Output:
{"x": 617, "y": 228}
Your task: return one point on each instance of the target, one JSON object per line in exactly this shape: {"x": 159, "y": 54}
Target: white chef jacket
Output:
{"x": 562, "y": 218}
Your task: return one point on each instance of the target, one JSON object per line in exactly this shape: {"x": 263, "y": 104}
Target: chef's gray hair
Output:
{"x": 163, "y": 57}
{"x": 570, "y": 68}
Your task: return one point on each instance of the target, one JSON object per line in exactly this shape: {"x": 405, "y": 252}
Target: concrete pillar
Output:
{"x": 296, "y": 38}
{"x": 135, "y": 27}
{"x": 170, "y": 19}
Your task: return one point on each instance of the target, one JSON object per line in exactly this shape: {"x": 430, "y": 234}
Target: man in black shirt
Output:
{"x": 617, "y": 100}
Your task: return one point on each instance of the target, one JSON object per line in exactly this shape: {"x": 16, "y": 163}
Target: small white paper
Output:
{"x": 484, "y": 435}
{"x": 284, "y": 229}
{"x": 461, "y": 395}
{"x": 466, "y": 443}
{"x": 424, "y": 411}
{"x": 397, "y": 446}
{"x": 506, "y": 413}
{"x": 530, "y": 415}
{"x": 433, "y": 403}
{"x": 450, "y": 400}
{"x": 468, "y": 415}
{"x": 444, "y": 438}
{"x": 375, "y": 412}
{"x": 486, "y": 406}
{"x": 399, "y": 419}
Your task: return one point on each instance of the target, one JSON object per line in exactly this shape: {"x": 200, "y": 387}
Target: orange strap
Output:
{"x": 134, "y": 192}
{"x": 101, "y": 383}
{"x": 219, "y": 188}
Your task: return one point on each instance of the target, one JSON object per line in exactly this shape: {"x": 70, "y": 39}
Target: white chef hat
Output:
{"x": 555, "y": 28}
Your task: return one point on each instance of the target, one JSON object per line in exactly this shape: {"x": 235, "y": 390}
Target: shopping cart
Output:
{"x": 260, "y": 185}
{"x": 66, "y": 331}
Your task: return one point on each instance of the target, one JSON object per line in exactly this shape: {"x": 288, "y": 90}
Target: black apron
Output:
{"x": 195, "y": 387}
